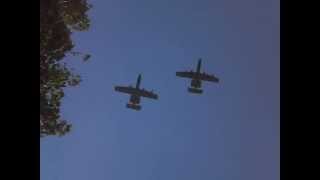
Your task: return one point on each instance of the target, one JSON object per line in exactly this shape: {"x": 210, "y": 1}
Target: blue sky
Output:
{"x": 230, "y": 132}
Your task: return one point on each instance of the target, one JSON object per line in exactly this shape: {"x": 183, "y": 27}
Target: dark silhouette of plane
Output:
{"x": 136, "y": 93}
{"x": 196, "y": 78}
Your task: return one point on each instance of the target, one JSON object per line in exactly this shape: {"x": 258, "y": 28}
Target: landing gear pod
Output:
{"x": 134, "y": 106}
{"x": 195, "y": 90}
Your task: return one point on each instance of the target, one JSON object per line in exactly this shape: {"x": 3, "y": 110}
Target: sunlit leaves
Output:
{"x": 58, "y": 18}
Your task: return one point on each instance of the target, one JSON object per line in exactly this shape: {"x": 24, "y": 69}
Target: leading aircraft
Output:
{"x": 196, "y": 78}
{"x": 135, "y": 94}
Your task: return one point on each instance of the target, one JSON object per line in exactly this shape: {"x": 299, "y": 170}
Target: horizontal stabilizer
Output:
{"x": 134, "y": 106}
{"x": 195, "y": 90}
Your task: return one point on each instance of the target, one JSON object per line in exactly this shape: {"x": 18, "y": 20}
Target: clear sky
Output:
{"x": 230, "y": 132}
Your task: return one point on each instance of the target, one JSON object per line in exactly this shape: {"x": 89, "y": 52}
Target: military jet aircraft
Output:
{"x": 135, "y": 94}
{"x": 196, "y": 78}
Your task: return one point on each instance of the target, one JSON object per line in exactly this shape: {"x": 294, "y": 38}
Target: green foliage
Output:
{"x": 58, "y": 18}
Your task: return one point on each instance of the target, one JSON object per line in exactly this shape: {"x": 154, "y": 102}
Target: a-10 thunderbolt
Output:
{"x": 196, "y": 78}
{"x": 135, "y": 94}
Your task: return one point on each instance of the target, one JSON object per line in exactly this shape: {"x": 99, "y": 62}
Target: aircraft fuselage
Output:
{"x": 196, "y": 81}
{"x": 134, "y": 102}
{"x": 134, "y": 99}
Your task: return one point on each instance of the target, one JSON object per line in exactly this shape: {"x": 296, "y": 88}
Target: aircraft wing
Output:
{"x": 126, "y": 89}
{"x": 186, "y": 74}
{"x": 137, "y": 92}
{"x": 147, "y": 94}
{"x": 207, "y": 77}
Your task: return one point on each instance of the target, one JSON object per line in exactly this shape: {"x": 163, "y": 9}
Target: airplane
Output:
{"x": 135, "y": 94}
{"x": 196, "y": 78}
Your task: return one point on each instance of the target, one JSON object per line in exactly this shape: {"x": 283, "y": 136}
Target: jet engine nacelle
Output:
{"x": 195, "y": 83}
{"x": 135, "y": 99}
